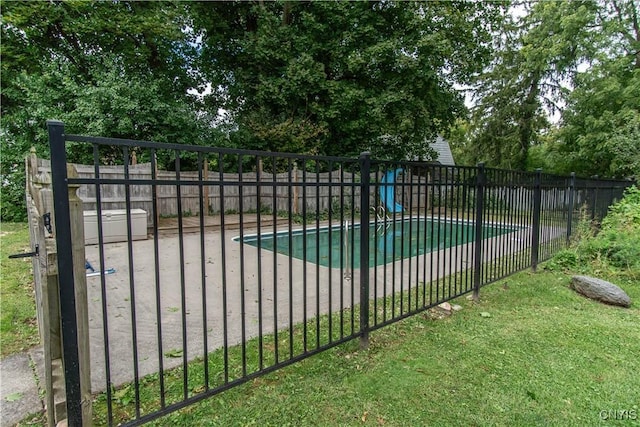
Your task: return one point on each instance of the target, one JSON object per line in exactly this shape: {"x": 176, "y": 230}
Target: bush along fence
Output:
{"x": 278, "y": 257}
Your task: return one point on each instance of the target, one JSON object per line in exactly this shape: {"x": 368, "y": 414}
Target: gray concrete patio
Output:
{"x": 238, "y": 277}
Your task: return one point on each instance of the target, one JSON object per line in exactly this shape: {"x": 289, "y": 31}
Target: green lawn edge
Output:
{"x": 530, "y": 352}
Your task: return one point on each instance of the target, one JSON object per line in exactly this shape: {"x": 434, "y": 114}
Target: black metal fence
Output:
{"x": 244, "y": 292}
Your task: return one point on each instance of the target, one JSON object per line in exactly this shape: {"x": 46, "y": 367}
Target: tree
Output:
{"x": 111, "y": 69}
{"x": 148, "y": 38}
{"x": 538, "y": 56}
{"x": 342, "y": 77}
{"x": 599, "y": 133}
{"x": 311, "y": 77}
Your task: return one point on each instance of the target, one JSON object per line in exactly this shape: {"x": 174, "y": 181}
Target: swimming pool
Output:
{"x": 392, "y": 241}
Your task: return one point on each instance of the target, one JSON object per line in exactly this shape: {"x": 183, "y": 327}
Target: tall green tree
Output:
{"x": 342, "y": 77}
{"x": 538, "y": 56}
{"x": 600, "y": 133}
{"x": 118, "y": 69}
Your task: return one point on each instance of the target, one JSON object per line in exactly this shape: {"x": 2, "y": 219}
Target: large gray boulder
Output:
{"x": 600, "y": 290}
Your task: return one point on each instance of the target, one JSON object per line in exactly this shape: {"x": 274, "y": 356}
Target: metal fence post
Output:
{"x": 365, "y": 178}
{"x": 535, "y": 229}
{"x": 477, "y": 258}
{"x": 572, "y": 189}
{"x": 65, "y": 272}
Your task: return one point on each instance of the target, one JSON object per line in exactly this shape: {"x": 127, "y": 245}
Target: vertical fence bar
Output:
{"x": 183, "y": 283}
{"x": 525, "y": 201}
{"x": 511, "y": 214}
{"x": 259, "y": 261}
{"x": 446, "y": 232}
{"x": 394, "y": 245}
{"x": 103, "y": 285}
{"x": 451, "y": 199}
{"x": 304, "y": 255}
{"x": 464, "y": 221}
{"x": 455, "y": 227}
{"x": 274, "y": 218}
{"x": 594, "y": 184}
{"x": 492, "y": 199}
{"x": 431, "y": 204}
{"x": 292, "y": 190}
{"x": 385, "y": 227}
{"x": 365, "y": 168}
{"x": 132, "y": 284}
{"x": 65, "y": 272}
{"x": 438, "y": 248}
{"x": 535, "y": 229}
{"x": 376, "y": 215}
{"x": 342, "y": 251}
{"x": 477, "y": 258}
{"x": 317, "y": 213}
{"x": 570, "y": 207}
{"x": 427, "y": 242}
{"x": 204, "y": 169}
{"x": 351, "y": 239}
{"x": 330, "y": 260}
{"x": 417, "y": 210}
{"x": 156, "y": 268}
{"x": 203, "y": 193}
{"x": 223, "y": 258}
{"x": 243, "y": 307}
{"x": 402, "y": 249}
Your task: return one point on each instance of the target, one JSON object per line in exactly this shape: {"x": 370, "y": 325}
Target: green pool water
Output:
{"x": 398, "y": 239}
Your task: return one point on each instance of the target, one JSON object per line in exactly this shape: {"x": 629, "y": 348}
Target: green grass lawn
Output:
{"x": 18, "y": 326}
{"x": 530, "y": 353}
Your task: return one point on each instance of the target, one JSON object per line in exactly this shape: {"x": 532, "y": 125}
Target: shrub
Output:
{"x": 619, "y": 238}
{"x": 566, "y": 259}
{"x": 615, "y": 246}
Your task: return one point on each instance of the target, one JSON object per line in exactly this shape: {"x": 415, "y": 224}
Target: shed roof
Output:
{"x": 441, "y": 146}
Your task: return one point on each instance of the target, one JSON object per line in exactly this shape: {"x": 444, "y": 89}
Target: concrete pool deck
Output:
{"x": 268, "y": 277}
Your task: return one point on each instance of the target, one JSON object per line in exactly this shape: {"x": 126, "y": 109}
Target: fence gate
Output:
{"x": 183, "y": 271}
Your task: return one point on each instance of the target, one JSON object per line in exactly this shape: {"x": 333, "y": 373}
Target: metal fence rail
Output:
{"x": 188, "y": 315}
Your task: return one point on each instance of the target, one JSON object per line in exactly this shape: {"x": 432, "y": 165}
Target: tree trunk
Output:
{"x": 527, "y": 114}
{"x": 286, "y": 14}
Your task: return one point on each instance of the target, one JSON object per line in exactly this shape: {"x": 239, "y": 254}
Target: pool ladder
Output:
{"x": 382, "y": 216}
{"x": 383, "y": 223}
{"x": 348, "y": 273}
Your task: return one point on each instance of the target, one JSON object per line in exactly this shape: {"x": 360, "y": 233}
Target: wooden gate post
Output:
{"x": 39, "y": 200}
{"x": 80, "y": 275}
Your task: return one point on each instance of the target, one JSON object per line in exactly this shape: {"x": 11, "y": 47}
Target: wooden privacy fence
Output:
{"x": 113, "y": 195}
{"x": 141, "y": 196}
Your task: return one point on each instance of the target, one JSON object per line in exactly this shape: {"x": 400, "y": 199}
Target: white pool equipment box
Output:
{"x": 114, "y": 226}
